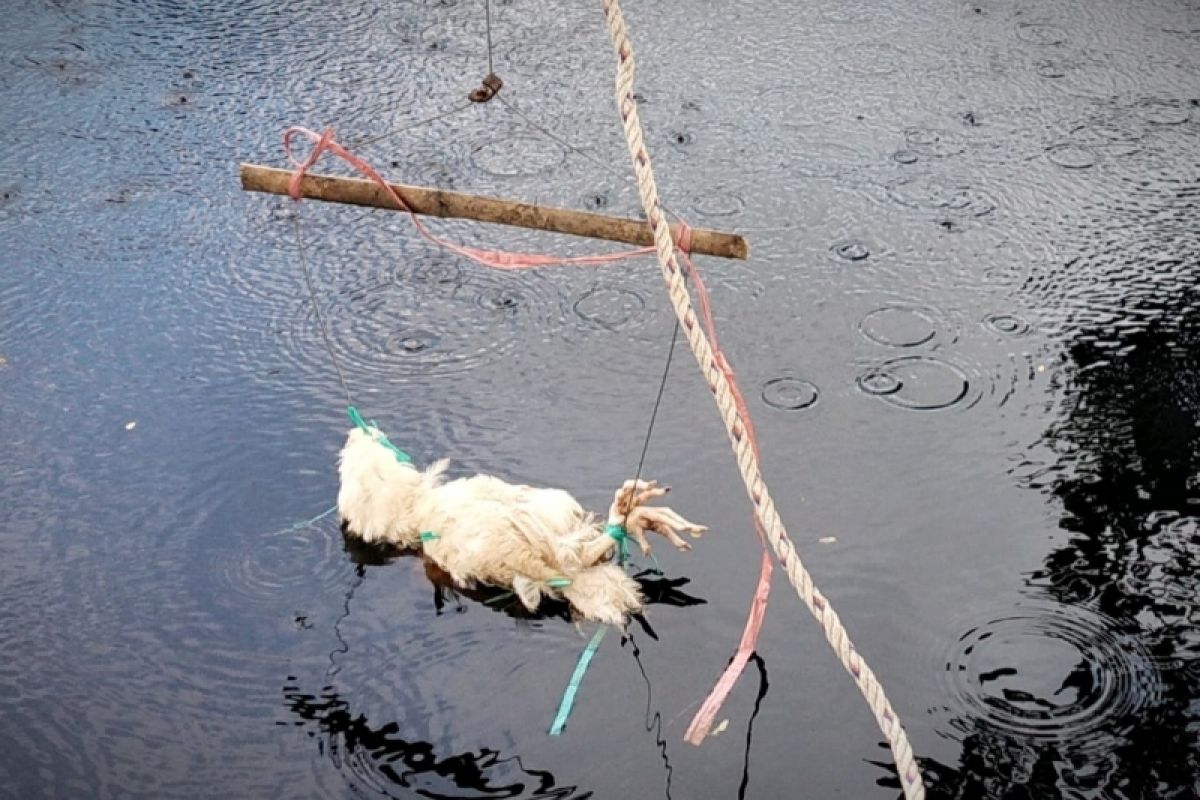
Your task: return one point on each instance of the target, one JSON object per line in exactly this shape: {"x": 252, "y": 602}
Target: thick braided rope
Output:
{"x": 785, "y": 551}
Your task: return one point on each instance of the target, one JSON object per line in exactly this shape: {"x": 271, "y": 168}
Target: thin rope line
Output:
{"x": 560, "y": 140}
{"x": 662, "y": 385}
{"x": 312, "y": 294}
{"x": 609, "y": 168}
{"x": 373, "y": 139}
{"x": 487, "y": 15}
{"x": 674, "y": 333}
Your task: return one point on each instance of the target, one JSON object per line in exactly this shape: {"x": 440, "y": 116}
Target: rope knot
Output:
{"x": 683, "y": 237}
{"x": 322, "y": 144}
{"x": 621, "y": 536}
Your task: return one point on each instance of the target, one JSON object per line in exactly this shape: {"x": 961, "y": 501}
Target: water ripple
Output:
{"x": 899, "y": 325}
{"x": 1041, "y": 33}
{"x": 1009, "y": 325}
{"x": 394, "y": 332}
{"x": 1071, "y": 156}
{"x": 920, "y": 383}
{"x": 938, "y": 193}
{"x": 1054, "y": 673}
{"x": 610, "y": 308}
{"x": 934, "y": 142}
{"x": 514, "y": 156}
{"x": 268, "y": 569}
{"x": 853, "y": 249}
{"x": 789, "y": 393}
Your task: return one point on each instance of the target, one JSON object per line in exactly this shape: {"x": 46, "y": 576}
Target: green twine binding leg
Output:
{"x": 372, "y": 430}
{"x": 621, "y": 537}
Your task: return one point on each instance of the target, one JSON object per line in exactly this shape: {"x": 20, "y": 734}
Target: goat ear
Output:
{"x": 529, "y": 592}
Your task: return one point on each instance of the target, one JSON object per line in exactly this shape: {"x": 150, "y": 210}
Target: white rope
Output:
{"x": 764, "y": 508}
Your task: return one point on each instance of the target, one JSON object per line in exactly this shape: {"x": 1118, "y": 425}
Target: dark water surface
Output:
{"x": 970, "y": 335}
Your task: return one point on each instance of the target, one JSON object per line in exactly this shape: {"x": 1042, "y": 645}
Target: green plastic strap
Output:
{"x": 500, "y": 598}
{"x": 558, "y": 583}
{"x": 357, "y": 419}
{"x": 429, "y": 536}
{"x": 568, "y": 698}
{"x": 372, "y": 430}
{"x": 621, "y": 537}
{"x": 308, "y": 522}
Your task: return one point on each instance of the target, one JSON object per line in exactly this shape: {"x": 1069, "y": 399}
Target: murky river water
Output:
{"x": 969, "y": 332}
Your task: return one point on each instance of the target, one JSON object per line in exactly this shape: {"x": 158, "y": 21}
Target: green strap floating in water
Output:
{"x": 372, "y": 430}
{"x": 568, "y": 699}
{"x": 621, "y": 537}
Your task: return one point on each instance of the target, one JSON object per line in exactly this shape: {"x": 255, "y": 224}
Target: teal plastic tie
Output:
{"x": 621, "y": 537}
{"x": 558, "y": 583}
{"x": 372, "y": 430}
{"x": 307, "y": 523}
{"x": 500, "y": 598}
{"x": 429, "y": 536}
{"x": 568, "y": 698}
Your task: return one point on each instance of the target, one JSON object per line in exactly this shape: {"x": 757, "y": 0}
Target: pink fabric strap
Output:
{"x": 495, "y": 259}
{"x": 702, "y": 723}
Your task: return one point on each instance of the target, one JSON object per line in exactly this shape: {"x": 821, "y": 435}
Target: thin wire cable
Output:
{"x": 487, "y": 15}
{"x": 609, "y": 168}
{"x": 371, "y": 140}
{"x": 554, "y": 137}
{"x": 674, "y": 333}
{"x": 312, "y": 294}
{"x": 662, "y": 385}
{"x": 380, "y": 137}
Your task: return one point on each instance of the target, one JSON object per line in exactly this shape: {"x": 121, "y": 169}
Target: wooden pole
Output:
{"x": 440, "y": 203}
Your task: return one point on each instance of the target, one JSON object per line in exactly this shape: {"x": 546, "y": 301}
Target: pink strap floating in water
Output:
{"x": 702, "y": 723}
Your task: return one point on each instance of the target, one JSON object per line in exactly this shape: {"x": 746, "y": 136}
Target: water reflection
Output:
{"x": 413, "y": 766}
{"x": 379, "y": 757}
{"x": 655, "y": 587}
{"x": 1127, "y": 478}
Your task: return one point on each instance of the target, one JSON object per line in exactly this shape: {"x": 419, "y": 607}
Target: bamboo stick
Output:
{"x": 441, "y": 203}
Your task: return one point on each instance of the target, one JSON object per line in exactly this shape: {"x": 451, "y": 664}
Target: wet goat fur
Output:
{"x": 488, "y": 531}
